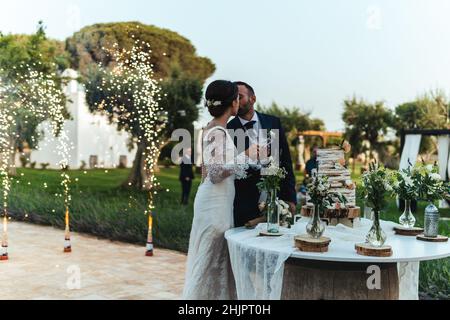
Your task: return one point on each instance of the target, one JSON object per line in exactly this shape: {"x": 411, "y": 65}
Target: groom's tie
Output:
{"x": 249, "y": 125}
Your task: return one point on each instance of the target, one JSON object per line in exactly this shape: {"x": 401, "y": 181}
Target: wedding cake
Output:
{"x": 331, "y": 163}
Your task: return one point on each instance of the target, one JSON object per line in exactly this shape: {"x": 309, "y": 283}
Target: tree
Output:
{"x": 173, "y": 60}
{"x": 428, "y": 111}
{"x": 29, "y": 63}
{"x": 181, "y": 101}
{"x": 91, "y": 46}
{"x": 294, "y": 120}
{"x": 366, "y": 122}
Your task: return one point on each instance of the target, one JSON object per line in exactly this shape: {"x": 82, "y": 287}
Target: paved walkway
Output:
{"x": 96, "y": 269}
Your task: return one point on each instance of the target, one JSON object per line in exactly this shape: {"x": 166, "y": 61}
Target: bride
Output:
{"x": 208, "y": 273}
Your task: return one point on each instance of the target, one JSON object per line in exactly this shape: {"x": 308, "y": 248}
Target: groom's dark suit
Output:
{"x": 247, "y": 193}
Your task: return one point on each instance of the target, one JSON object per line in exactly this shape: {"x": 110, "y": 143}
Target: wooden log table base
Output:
{"x": 412, "y": 232}
{"x": 365, "y": 249}
{"x": 307, "y": 244}
{"x": 429, "y": 239}
{"x": 324, "y": 280}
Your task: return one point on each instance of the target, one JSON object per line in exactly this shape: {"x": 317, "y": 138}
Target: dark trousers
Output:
{"x": 185, "y": 191}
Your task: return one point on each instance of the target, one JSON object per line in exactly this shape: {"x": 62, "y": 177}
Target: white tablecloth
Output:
{"x": 258, "y": 262}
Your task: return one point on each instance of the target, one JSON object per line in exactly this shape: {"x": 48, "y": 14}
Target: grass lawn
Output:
{"x": 100, "y": 207}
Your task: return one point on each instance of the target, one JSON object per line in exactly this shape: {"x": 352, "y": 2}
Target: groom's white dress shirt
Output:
{"x": 253, "y": 133}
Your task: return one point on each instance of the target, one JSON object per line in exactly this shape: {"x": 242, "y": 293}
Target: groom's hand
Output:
{"x": 252, "y": 152}
{"x": 264, "y": 154}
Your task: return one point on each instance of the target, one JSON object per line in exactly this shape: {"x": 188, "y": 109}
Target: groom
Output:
{"x": 247, "y": 193}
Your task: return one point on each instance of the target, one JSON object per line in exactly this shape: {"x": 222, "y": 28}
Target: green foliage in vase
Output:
{"x": 405, "y": 184}
{"x": 319, "y": 191}
{"x": 377, "y": 186}
{"x": 271, "y": 179}
{"x": 431, "y": 187}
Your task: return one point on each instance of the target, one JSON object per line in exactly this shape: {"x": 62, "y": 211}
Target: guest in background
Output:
{"x": 186, "y": 176}
{"x": 302, "y": 195}
{"x": 311, "y": 164}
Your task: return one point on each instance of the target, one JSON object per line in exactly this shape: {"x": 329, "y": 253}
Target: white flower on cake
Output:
{"x": 435, "y": 176}
{"x": 408, "y": 181}
{"x": 388, "y": 187}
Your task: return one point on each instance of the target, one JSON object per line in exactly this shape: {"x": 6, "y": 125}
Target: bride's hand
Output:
{"x": 252, "y": 152}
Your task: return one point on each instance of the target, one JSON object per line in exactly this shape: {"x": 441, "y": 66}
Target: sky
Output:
{"x": 308, "y": 54}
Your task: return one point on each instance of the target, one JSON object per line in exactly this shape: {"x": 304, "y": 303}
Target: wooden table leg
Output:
{"x": 324, "y": 280}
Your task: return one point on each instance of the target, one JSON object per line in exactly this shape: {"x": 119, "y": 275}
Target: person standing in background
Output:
{"x": 311, "y": 164}
{"x": 186, "y": 176}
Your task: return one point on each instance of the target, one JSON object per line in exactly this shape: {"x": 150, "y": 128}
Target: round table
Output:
{"x": 339, "y": 273}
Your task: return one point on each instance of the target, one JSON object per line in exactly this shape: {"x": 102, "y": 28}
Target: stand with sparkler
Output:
{"x": 67, "y": 244}
{"x": 131, "y": 84}
{"x": 149, "y": 252}
{"x": 41, "y": 95}
{"x": 6, "y": 122}
{"x": 4, "y": 250}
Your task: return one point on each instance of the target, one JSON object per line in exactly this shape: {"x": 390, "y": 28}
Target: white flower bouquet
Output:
{"x": 430, "y": 185}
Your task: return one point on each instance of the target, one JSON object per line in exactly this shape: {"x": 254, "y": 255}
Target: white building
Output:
{"x": 93, "y": 139}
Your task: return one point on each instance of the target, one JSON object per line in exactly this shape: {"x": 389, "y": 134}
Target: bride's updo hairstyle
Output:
{"x": 220, "y": 95}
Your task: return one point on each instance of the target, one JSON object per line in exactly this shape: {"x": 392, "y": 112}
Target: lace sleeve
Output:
{"x": 219, "y": 159}
{"x": 241, "y": 166}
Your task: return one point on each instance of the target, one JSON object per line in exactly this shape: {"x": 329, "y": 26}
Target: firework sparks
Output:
{"x": 132, "y": 81}
{"x": 32, "y": 96}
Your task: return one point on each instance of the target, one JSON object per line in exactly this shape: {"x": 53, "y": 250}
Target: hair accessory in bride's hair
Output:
{"x": 212, "y": 103}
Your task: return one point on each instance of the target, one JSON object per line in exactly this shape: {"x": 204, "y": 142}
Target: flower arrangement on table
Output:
{"x": 377, "y": 185}
{"x": 272, "y": 175}
{"x": 431, "y": 188}
{"x": 430, "y": 185}
{"x": 286, "y": 219}
{"x": 406, "y": 186}
{"x": 321, "y": 197}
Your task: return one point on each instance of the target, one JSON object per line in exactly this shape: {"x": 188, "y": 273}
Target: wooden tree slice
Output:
{"x": 428, "y": 239}
{"x": 354, "y": 212}
{"x": 270, "y": 234}
{"x": 307, "y": 244}
{"x": 402, "y": 231}
{"x": 307, "y": 211}
{"x": 365, "y": 249}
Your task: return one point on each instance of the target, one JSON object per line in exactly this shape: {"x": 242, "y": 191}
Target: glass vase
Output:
{"x": 431, "y": 224}
{"x": 316, "y": 227}
{"x": 273, "y": 216}
{"x": 376, "y": 236}
{"x": 407, "y": 219}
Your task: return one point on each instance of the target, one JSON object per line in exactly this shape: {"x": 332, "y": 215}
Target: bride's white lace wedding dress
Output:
{"x": 209, "y": 275}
